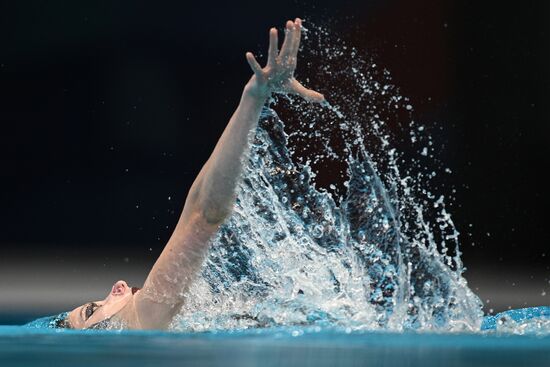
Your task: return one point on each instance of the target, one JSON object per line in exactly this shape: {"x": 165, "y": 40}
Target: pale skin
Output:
{"x": 209, "y": 201}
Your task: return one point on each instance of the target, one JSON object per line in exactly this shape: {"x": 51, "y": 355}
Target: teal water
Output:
{"x": 21, "y": 346}
{"x": 495, "y": 345}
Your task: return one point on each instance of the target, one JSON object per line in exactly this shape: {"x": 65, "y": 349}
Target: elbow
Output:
{"x": 216, "y": 215}
{"x": 212, "y": 210}
{"x": 214, "y": 207}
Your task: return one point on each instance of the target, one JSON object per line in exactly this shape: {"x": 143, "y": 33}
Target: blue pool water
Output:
{"x": 20, "y": 346}
{"x": 36, "y": 345}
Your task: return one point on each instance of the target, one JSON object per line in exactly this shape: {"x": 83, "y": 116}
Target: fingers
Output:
{"x": 296, "y": 38}
{"x": 289, "y": 39}
{"x": 273, "y": 46}
{"x": 308, "y": 94}
{"x": 256, "y": 68}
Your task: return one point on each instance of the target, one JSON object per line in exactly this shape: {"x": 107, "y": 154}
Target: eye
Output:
{"x": 90, "y": 309}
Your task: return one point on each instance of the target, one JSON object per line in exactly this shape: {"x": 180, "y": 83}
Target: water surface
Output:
{"x": 21, "y": 346}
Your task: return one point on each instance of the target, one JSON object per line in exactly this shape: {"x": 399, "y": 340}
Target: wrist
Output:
{"x": 255, "y": 91}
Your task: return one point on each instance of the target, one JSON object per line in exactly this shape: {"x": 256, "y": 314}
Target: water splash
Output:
{"x": 523, "y": 321}
{"x": 334, "y": 226}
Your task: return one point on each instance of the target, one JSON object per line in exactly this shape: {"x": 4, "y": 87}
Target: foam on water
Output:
{"x": 375, "y": 249}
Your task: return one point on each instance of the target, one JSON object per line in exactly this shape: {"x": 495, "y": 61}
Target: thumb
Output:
{"x": 308, "y": 94}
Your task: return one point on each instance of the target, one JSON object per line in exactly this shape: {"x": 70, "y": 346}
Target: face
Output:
{"x": 91, "y": 313}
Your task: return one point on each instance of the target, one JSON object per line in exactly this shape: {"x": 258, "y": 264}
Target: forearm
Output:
{"x": 215, "y": 187}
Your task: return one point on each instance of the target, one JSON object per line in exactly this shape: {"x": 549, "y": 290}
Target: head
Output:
{"x": 95, "y": 313}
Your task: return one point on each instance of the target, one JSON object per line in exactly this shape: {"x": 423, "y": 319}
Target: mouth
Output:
{"x": 135, "y": 289}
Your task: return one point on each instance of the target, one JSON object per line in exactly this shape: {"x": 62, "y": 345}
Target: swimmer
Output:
{"x": 208, "y": 204}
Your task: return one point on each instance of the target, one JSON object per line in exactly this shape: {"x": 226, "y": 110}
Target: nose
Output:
{"x": 119, "y": 288}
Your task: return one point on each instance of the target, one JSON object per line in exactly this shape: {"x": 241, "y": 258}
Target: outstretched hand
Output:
{"x": 278, "y": 74}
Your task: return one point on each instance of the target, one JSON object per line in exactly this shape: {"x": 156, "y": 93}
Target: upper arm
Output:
{"x": 175, "y": 269}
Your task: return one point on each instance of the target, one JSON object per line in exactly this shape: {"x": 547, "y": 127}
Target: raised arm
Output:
{"x": 212, "y": 195}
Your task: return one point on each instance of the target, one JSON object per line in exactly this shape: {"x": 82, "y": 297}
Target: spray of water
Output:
{"x": 370, "y": 247}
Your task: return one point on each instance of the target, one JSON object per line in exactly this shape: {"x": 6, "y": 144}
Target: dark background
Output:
{"x": 109, "y": 109}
